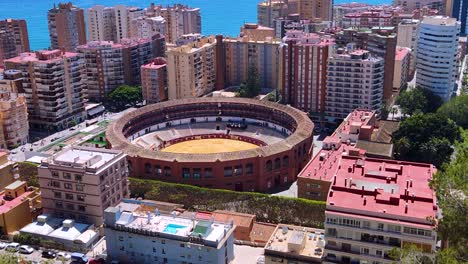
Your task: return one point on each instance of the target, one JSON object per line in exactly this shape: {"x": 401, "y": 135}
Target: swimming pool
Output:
{"x": 173, "y": 228}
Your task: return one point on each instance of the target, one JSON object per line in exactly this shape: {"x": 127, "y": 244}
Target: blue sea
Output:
{"x": 218, "y": 16}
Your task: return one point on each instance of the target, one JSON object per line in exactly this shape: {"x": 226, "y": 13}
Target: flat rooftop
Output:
{"x": 297, "y": 242}
{"x": 83, "y": 157}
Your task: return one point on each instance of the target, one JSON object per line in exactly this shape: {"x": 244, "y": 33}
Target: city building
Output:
{"x": 411, "y": 5}
{"x": 65, "y": 233}
{"x": 242, "y": 53}
{"x": 373, "y": 17}
{"x": 12, "y": 81}
{"x": 372, "y": 205}
{"x": 54, "y": 87}
{"x": 79, "y": 183}
{"x": 316, "y": 10}
{"x": 124, "y": 16}
{"x": 268, "y": 10}
{"x": 101, "y": 23}
{"x": 436, "y": 55}
{"x": 303, "y": 74}
{"x": 20, "y": 32}
{"x": 459, "y": 10}
{"x": 406, "y": 37}
{"x": 20, "y": 204}
{"x": 402, "y": 69}
{"x": 354, "y": 80}
{"x": 188, "y": 38}
{"x": 180, "y": 20}
{"x": 146, "y": 27}
{"x": 256, "y": 32}
{"x": 154, "y": 81}
{"x": 13, "y": 120}
{"x": 192, "y": 69}
{"x": 8, "y": 171}
{"x": 292, "y": 22}
{"x": 67, "y": 28}
{"x": 7, "y": 46}
{"x": 135, "y": 235}
{"x": 109, "y": 64}
{"x": 340, "y": 10}
{"x": 295, "y": 244}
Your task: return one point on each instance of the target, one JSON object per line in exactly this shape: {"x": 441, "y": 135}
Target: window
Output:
{"x": 277, "y": 163}
{"x": 78, "y": 177}
{"x": 147, "y": 168}
{"x": 186, "y": 173}
{"x": 55, "y": 184}
{"x": 67, "y": 186}
{"x": 70, "y": 206}
{"x": 163, "y": 241}
{"x": 81, "y": 208}
{"x": 57, "y": 195}
{"x": 79, "y": 187}
{"x": 378, "y": 253}
{"x": 196, "y": 173}
{"x": 167, "y": 171}
{"x": 80, "y": 197}
{"x": 269, "y": 165}
{"x": 227, "y": 171}
{"x": 157, "y": 171}
{"x": 249, "y": 168}
{"x": 67, "y": 176}
{"x": 394, "y": 228}
{"x": 55, "y": 174}
{"x": 208, "y": 173}
{"x": 69, "y": 196}
{"x": 365, "y": 251}
{"x": 238, "y": 170}
{"x": 182, "y": 245}
{"x": 58, "y": 204}
{"x": 366, "y": 224}
{"x": 380, "y": 226}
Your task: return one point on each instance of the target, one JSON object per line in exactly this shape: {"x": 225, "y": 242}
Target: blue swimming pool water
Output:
{"x": 172, "y": 228}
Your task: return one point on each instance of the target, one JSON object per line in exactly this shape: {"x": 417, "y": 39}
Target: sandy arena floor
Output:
{"x": 208, "y": 146}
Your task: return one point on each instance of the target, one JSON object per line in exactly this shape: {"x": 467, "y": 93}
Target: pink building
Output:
{"x": 372, "y": 205}
{"x": 374, "y": 17}
{"x": 154, "y": 81}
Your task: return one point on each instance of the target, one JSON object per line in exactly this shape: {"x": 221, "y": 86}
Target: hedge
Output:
{"x": 267, "y": 208}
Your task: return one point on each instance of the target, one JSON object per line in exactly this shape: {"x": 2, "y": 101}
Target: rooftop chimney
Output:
{"x": 406, "y": 208}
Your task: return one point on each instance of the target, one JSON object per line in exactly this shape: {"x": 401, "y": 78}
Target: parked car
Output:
{"x": 49, "y": 254}
{"x": 12, "y": 247}
{"x": 78, "y": 258}
{"x": 25, "y": 249}
{"x": 63, "y": 256}
{"x": 3, "y": 245}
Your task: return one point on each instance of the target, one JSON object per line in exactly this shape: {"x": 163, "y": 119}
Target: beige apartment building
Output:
{"x": 101, "y": 23}
{"x": 316, "y": 10}
{"x": 146, "y": 27}
{"x": 180, "y": 19}
{"x": 192, "y": 69}
{"x": 402, "y": 68}
{"x": 80, "y": 183}
{"x": 13, "y": 119}
{"x": 154, "y": 81}
{"x": 67, "y": 28}
{"x": 54, "y": 87}
{"x": 241, "y": 53}
{"x": 256, "y": 32}
{"x": 12, "y": 81}
{"x": 406, "y": 37}
{"x": 268, "y": 10}
{"x": 7, "y": 46}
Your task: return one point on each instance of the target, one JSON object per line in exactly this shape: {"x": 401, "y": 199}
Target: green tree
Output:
{"x": 251, "y": 87}
{"x": 457, "y": 110}
{"x": 8, "y": 258}
{"x": 418, "y": 100}
{"x": 426, "y": 138}
{"x": 409, "y": 254}
{"x": 124, "y": 96}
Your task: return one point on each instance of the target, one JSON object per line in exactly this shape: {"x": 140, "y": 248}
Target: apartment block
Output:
{"x": 123, "y": 18}
{"x": 20, "y": 32}
{"x": 372, "y": 205}
{"x": 242, "y": 53}
{"x": 101, "y": 23}
{"x": 180, "y": 20}
{"x": 67, "y": 28}
{"x": 459, "y": 10}
{"x": 407, "y": 37}
{"x": 109, "y": 64}
{"x": 340, "y": 10}
{"x": 268, "y": 10}
{"x": 436, "y": 55}
{"x": 316, "y": 10}
{"x": 355, "y": 79}
{"x": 7, "y": 46}
{"x": 80, "y": 183}
{"x": 138, "y": 235}
{"x": 54, "y": 87}
{"x": 192, "y": 69}
{"x": 412, "y": 5}
{"x": 154, "y": 81}
{"x": 146, "y": 27}
{"x": 292, "y": 22}
{"x": 402, "y": 68}
{"x": 12, "y": 81}
{"x": 20, "y": 204}
{"x": 13, "y": 119}
{"x": 373, "y": 17}
{"x": 295, "y": 244}
{"x": 303, "y": 63}
{"x": 256, "y": 32}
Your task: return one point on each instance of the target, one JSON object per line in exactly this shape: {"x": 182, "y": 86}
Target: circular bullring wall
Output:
{"x": 281, "y": 138}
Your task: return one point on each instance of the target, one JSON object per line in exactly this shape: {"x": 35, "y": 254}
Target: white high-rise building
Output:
{"x": 101, "y": 23}
{"x": 146, "y": 27}
{"x": 436, "y": 55}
